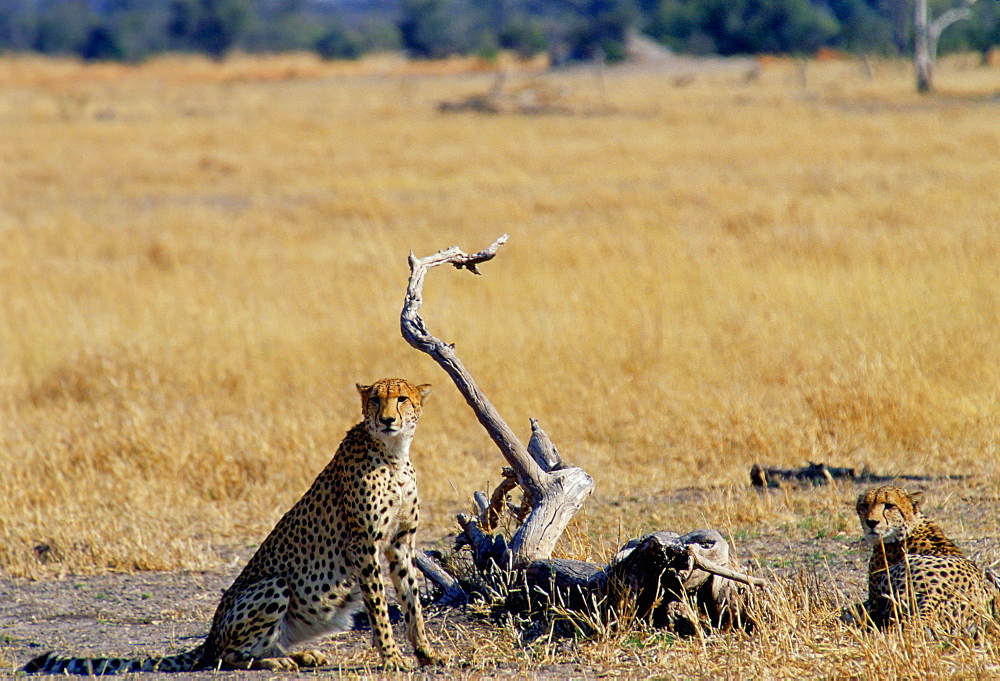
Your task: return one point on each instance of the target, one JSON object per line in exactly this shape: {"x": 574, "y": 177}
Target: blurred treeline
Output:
{"x": 132, "y": 30}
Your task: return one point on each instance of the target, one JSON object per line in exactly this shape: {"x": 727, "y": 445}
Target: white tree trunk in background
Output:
{"x": 927, "y": 35}
{"x": 921, "y": 48}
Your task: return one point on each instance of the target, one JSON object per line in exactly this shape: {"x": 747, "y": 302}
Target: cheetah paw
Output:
{"x": 278, "y": 664}
{"x": 310, "y": 658}
{"x": 395, "y": 662}
{"x": 274, "y": 664}
{"x": 429, "y": 659}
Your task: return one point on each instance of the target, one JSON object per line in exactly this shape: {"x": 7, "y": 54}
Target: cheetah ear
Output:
{"x": 424, "y": 390}
{"x": 916, "y": 497}
{"x": 363, "y": 390}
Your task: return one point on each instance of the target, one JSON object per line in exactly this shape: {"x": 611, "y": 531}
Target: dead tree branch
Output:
{"x": 707, "y": 565}
{"x": 531, "y": 477}
{"x": 946, "y": 19}
{"x": 491, "y": 512}
{"x": 556, "y": 491}
{"x": 452, "y": 592}
{"x": 660, "y": 574}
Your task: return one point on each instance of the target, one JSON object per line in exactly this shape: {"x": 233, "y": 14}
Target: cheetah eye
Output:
{"x": 402, "y": 398}
{"x": 889, "y": 506}
{"x": 373, "y": 399}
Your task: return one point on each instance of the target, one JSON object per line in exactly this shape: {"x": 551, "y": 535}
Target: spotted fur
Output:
{"x": 915, "y": 571}
{"x": 321, "y": 560}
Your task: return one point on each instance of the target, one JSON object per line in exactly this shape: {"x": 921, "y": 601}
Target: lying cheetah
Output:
{"x": 320, "y": 560}
{"x": 915, "y": 570}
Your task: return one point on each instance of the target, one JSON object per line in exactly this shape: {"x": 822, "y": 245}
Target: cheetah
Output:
{"x": 915, "y": 570}
{"x": 320, "y": 561}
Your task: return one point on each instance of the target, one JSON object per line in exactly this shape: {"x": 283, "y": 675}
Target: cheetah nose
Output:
{"x": 387, "y": 420}
{"x": 871, "y": 523}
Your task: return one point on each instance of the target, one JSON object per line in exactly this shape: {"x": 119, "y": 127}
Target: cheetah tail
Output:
{"x": 49, "y": 663}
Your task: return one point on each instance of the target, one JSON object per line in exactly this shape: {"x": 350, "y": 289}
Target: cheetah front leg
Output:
{"x": 399, "y": 551}
{"x": 365, "y": 560}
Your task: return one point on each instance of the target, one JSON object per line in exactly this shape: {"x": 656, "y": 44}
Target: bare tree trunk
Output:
{"x": 556, "y": 491}
{"x": 927, "y": 35}
{"x": 921, "y": 49}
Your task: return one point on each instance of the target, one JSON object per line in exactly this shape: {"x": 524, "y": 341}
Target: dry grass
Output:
{"x": 198, "y": 261}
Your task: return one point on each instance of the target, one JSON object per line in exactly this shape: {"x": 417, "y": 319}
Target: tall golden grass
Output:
{"x": 197, "y": 262}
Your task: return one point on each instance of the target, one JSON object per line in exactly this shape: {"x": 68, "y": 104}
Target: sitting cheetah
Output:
{"x": 320, "y": 560}
{"x": 915, "y": 570}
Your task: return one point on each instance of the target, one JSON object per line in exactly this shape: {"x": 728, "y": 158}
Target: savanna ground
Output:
{"x": 707, "y": 268}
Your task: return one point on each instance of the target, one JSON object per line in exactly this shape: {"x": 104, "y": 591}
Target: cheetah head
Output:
{"x": 889, "y": 514}
{"x": 391, "y": 407}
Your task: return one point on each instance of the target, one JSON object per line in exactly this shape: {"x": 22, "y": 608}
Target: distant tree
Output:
{"x": 743, "y": 26}
{"x": 927, "y": 32}
{"x": 526, "y": 36}
{"x": 681, "y": 26}
{"x": 211, "y": 26}
{"x": 339, "y": 43}
{"x": 219, "y": 26}
{"x": 865, "y": 27}
{"x": 16, "y": 26}
{"x": 284, "y": 25}
{"x": 982, "y": 32}
{"x": 101, "y": 44}
{"x": 424, "y": 28}
{"x": 139, "y": 26}
{"x": 601, "y": 29}
{"x": 439, "y": 28}
{"x": 578, "y": 29}
{"x": 378, "y": 35}
{"x": 61, "y": 26}
{"x": 183, "y": 15}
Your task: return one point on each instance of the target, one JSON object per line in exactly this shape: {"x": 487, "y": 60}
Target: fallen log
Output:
{"x": 662, "y": 578}
{"x": 814, "y": 473}
{"x": 821, "y": 474}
